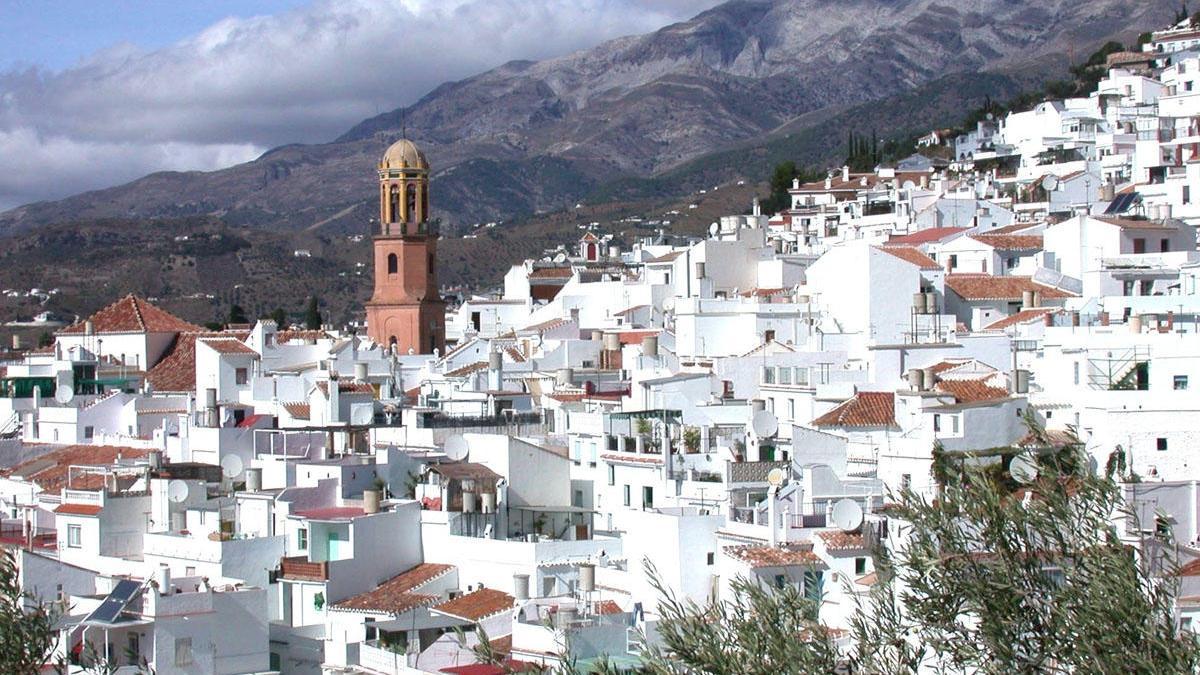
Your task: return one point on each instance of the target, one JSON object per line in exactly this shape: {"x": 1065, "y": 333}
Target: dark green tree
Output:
{"x": 27, "y": 626}
{"x": 280, "y": 317}
{"x": 312, "y": 314}
{"x": 45, "y": 339}
{"x": 237, "y": 314}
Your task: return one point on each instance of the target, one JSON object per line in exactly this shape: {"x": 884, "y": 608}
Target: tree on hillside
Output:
{"x": 280, "y": 317}
{"x": 781, "y": 181}
{"x": 312, "y": 315}
{"x": 992, "y": 578}
{"x": 27, "y": 633}
{"x": 237, "y": 314}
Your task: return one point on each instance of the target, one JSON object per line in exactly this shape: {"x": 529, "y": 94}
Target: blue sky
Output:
{"x": 98, "y": 93}
{"x": 56, "y": 34}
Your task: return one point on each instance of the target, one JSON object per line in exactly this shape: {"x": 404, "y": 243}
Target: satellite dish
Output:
{"x": 231, "y": 466}
{"x": 1050, "y": 183}
{"x": 363, "y": 414}
{"x": 713, "y": 229}
{"x": 64, "y": 389}
{"x": 764, "y": 424}
{"x": 177, "y": 491}
{"x": 669, "y": 303}
{"x": 775, "y": 477}
{"x": 847, "y": 515}
{"x": 456, "y": 448}
{"x": 1023, "y": 468}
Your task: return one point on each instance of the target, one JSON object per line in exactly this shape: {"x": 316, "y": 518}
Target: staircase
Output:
{"x": 1115, "y": 368}
{"x": 11, "y": 428}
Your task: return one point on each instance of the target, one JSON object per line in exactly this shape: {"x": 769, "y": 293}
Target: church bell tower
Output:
{"x": 405, "y": 310}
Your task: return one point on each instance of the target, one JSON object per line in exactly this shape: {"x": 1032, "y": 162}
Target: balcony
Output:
{"x": 299, "y": 568}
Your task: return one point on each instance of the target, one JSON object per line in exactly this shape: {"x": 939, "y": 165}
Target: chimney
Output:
{"x": 845, "y": 173}
{"x": 335, "y": 398}
{"x": 16, "y": 342}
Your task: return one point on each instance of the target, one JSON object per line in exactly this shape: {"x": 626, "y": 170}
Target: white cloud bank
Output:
{"x": 241, "y": 86}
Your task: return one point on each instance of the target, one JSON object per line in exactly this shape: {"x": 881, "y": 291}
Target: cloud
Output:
{"x": 243, "y": 85}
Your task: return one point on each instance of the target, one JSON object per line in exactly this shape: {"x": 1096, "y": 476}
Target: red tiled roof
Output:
{"x": 1135, "y": 224}
{"x": 285, "y": 336}
{"x": 842, "y": 541}
{"x": 608, "y": 607}
{"x": 297, "y": 409}
{"x": 1191, "y": 569}
{"x": 665, "y": 258}
{"x": 1011, "y": 242}
{"x": 986, "y": 287}
{"x": 79, "y": 509}
{"x": 971, "y": 391}
{"x": 836, "y": 184}
{"x": 926, "y": 236}
{"x": 864, "y": 409}
{"x": 911, "y": 255}
{"x": 479, "y": 605}
{"x": 176, "y": 371}
{"x": 395, "y": 595}
{"x": 49, "y": 471}
{"x": 132, "y": 314}
{"x": 227, "y": 346}
{"x": 1023, "y": 316}
{"x": 635, "y": 337}
{"x": 515, "y": 354}
{"x": 347, "y": 387}
{"x": 1015, "y": 228}
{"x": 468, "y": 369}
{"x": 332, "y": 513}
{"x": 768, "y": 556}
{"x": 551, "y": 273}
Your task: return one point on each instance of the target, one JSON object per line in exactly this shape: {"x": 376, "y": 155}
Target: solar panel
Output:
{"x": 1121, "y": 203}
{"x": 115, "y": 603}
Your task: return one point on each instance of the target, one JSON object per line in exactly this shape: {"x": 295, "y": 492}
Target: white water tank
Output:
{"x": 488, "y": 500}
{"x": 564, "y": 376}
{"x": 468, "y": 502}
{"x": 253, "y": 480}
{"x": 162, "y": 577}
{"x": 612, "y": 342}
{"x": 587, "y": 577}
{"x": 371, "y": 501}
{"x": 360, "y": 372}
{"x": 521, "y": 586}
{"x": 650, "y": 345}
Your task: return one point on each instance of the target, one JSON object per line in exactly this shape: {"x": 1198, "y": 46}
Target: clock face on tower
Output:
{"x": 406, "y": 311}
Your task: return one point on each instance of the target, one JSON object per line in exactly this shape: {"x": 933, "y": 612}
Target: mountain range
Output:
{"x": 711, "y": 96}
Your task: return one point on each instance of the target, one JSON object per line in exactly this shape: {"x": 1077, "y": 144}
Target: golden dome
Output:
{"x": 403, "y": 154}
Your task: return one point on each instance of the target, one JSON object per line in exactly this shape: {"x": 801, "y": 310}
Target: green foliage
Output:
{"x": 642, "y": 426}
{"x": 781, "y": 182}
{"x": 691, "y": 438}
{"x": 214, "y": 325}
{"x": 237, "y": 314}
{"x": 312, "y": 314}
{"x": 763, "y": 631}
{"x": 27, "y": 634}
{"x": 862, "y": 154}
{"x": 45, "y": 339}
{"x": 280, "y": 317}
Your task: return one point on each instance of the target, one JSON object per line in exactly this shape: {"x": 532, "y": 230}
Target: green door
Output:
{"x": 337, "y": 544}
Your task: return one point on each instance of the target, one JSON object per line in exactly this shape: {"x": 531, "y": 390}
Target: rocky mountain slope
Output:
{"x": 532, "y": 137}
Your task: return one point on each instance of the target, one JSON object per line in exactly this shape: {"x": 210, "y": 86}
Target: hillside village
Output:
{"x": 270, "y": 499}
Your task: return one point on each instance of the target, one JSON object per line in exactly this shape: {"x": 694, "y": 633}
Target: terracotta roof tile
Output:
{"x": 1015, "y": 228}
{"x": 132, "y": 314}
{"x": 176, "y": 371}
{"x": 986, "y": 287}
{"x": 842, "y": 541}
{"x": 911, "y": 255}
{"x": 1023, "y": 316}
{"x": 79, "y": 509}
{"x": 551, "y": 273}
{"x": 926, "y": 236}
{"x": 768, "y": 556}
{"x": 396, "y": 596}
{"x": 468, "y": 369}
{"x": 630, "y": 457}
{"x": 297, "y": 409}
{"x": 49, "y": 471}
{"x": 285, "y": 336}
{"x": 347, "y": 387}
{"x": 864, "y": 409}
{"x": 1011, "y": 242}
{"x": 478, "y": 605}
{"x": 971, "y": 391}
{"x": 228, "y": 346}
{"x": 1136, "y": 224}
{"x": 665, "y": 258}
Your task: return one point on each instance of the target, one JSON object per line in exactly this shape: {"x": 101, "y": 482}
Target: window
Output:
{"x": 812, "y": 585}
{"x": 302, "y": 539}
{"x": 768, "y": 375}
{"x": 647, "y": 497}
{"x": 89, "y": 432}
{"x": 905, "y": 481}
{"x": 785, "y": 375}
{"x": 74, "y": 536}
{"x": 612, "y": 475}
{"x": 710, "y": 557}
{"x": 860, "y": 566}
{"x": 954, "y": 424}
{"x": 953, "y": 261}
{"x": 393, "y": 263}
{"x": 628, "y": 501}
{"x": 1181, "y": 382}
{"x": 240, "y": 376}
{"x": 1164, "y": 245}
{"x": 937, "y": 422}
{"x": 183, "y": 651}
{"x": 1160, "y": 443}
{"x": 1139, "y": 245}
{"x": 780, "y": 580}
{"x": 135, "y": 649}
{"x": 1187, "y": 197}
{"x": 577, "y": 499}
{"x": 1010, "y": 263}
{"x": 1076, "y": 369}
{"x": 801, "y": 377}
{"x": 791, "y": 409}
